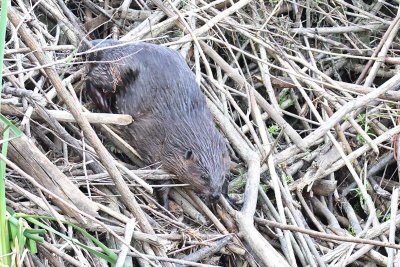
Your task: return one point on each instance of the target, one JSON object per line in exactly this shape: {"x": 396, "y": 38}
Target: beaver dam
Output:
{"x": 303, "y": 96}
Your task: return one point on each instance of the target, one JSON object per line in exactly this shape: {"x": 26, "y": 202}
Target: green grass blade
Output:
{"x": 25, "y": 237}
{"x": 5, "y": 248}
{"x": 4, "y": 237}
{"x": 108, "y": 254}
{"x": 3, "y": 29}
{"x": 17, "y": 132}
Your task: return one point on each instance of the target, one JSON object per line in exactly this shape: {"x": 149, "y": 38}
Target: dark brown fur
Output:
{"x": 172, "y": 124}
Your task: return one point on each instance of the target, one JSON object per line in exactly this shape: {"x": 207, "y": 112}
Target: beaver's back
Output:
{"x": 161, "y": 82}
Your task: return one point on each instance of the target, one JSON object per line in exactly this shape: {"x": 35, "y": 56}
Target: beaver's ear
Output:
{"x": 130, "y": 75}
{"x": 189, "y": 154}
{"x": 125, "y": 76}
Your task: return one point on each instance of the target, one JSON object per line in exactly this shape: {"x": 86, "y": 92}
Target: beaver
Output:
{"x": 172, "y": 124}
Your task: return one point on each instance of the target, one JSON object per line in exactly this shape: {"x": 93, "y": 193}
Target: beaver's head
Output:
{"x": 197, "y": 154}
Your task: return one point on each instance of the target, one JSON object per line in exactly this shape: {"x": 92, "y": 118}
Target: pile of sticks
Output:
{"x": 305, "y": 91}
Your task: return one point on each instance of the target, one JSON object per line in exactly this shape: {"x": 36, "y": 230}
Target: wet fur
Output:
{"x": 172, "y": 123}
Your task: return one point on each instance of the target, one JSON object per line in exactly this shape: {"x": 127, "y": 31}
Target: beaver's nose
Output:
{"x": 214, "y": 197}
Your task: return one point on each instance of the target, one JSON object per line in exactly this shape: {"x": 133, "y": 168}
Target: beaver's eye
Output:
{"x": 204, "y": 177}
{"x": 188, "y": 154}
